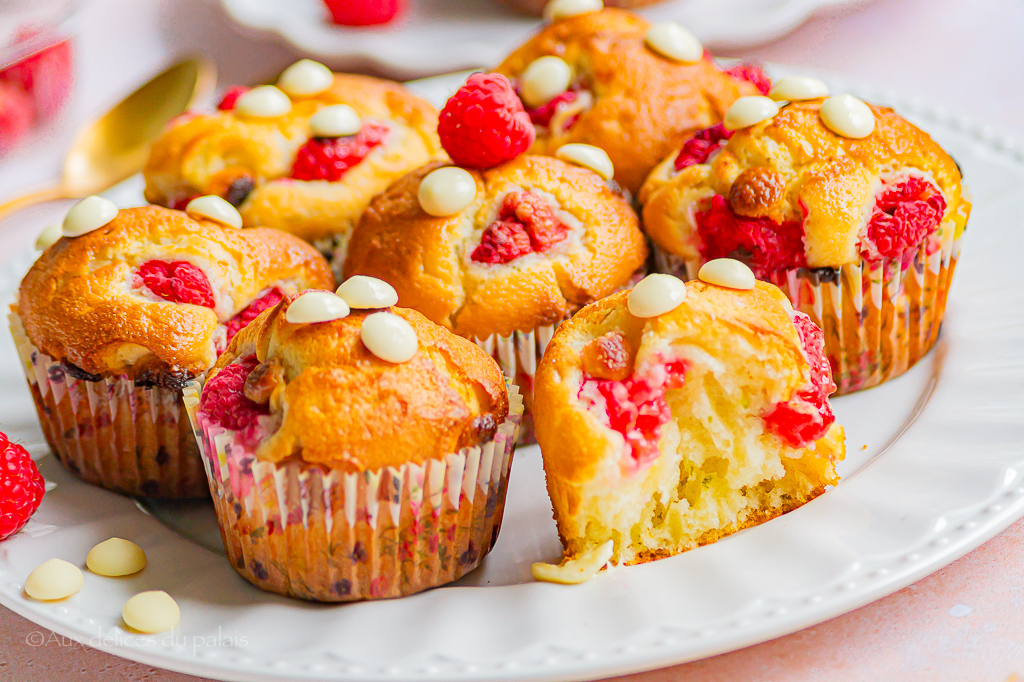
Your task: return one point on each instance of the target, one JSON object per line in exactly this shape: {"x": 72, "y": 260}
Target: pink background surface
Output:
{"x": 965, "y": 622}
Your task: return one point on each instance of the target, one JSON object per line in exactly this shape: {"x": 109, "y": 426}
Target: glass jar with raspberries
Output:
{"x": 36, "y": 67}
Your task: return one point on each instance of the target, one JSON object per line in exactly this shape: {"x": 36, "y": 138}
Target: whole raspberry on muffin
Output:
{"x": 305, "y": 156}
{"x": 484, "y": 124}
{"x": 861, "y": 229}
{"x": 21, "y": 487}
{"x": 713, "y": 406}
{"x": 127, "y": 312}
{"x": 340, "y": 398}
{"x": 595, "y": 78}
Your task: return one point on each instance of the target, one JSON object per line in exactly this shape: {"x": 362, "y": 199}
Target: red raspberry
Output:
{"x": 46, "y": 76}
{"x": 760, "y": 242}
{"x": 223, "y": 399}
{"x": 525, "y": 224}
{"x": 905, "y": 213}
{"x": 699, "y": 147}
{"x": 543, "y": 114}
{"x": 329, "y": 158}
{"x": 484, "y": 124}
{"x": 252, "y": 311}
{"x": 182, "y": 203}
{"x": 178, "y": 282}
{"x": 753, "y": 74}
{"x": 21, "y": 487}
{"x": 501, "y": 242}
{"x": 363, "y": 12}
{"x": 16, "y": 116}
{"x": 807, "y": 416}
{"x": 231, "y": 95}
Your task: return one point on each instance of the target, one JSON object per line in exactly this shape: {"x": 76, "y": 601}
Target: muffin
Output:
{"x": 538, "y": 239}
{"x": 673, "y": 415}
{"x": 306, "y": 162}
{"x": 861, "y": 230}
{"x": 112, "y": 323}
{"x": 354, "y": 453}
{"x": 594, "y": 78}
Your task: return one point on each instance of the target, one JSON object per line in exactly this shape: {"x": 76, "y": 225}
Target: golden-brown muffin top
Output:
{"x": 643, "y": 104}
{"x": 748, "y": 334}
{"x": 334, "y": 403}
{"x": 85, "y": 303}
{"x": 224, "y": 153}
{"x": 794, "y": 168}
{"x": 429, "y": 260}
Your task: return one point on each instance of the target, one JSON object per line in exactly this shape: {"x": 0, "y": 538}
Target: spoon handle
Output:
{"x": 55, "y": 191}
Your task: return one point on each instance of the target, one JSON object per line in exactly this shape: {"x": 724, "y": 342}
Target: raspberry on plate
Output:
{"x": 21, "y": 487}
{"x": 484, "y": 124}
{"x": 16, "y": 116}
{"x": 363, "y": 12}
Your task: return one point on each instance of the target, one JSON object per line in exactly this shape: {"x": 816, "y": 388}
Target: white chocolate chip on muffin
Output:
{"x": 305, "y": 78}
{"x": 214, "y": 208}
{"x": 847, "y": 116}
{"x": 264, "y": 101}
{"x": 675, "y": 42}
{"x": 91, "y": 213}
{"x": 656, "y": 295}
{"x": 446, "y": 191}
{"x": 366, "y": 293}
{"x": 727, "y": 272}
{"x": 389, "y": 337}
{"x": 748, "y": 111}
{"x": 317, "y": 306}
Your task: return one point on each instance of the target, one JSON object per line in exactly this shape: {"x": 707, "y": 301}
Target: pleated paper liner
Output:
{"x": 134, "y": 440}
{"x": 879, "y": 318}
{"x": 325, "y": 535}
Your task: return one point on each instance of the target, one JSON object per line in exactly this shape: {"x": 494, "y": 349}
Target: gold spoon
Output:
{"x": 114, "y": 146}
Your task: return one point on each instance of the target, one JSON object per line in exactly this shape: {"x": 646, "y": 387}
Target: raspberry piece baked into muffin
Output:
{"x": 305, "y": 156}
{"x": 388, "y": 438}
{"x": 112, "y": 323}
{"x": 603, "y": 78}
{"x": 854, "y": 212}
{"x": 673, "y": 415}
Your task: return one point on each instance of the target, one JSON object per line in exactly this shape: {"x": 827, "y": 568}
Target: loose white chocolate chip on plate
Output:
{"x": 847, "y": 116}
{"x": 656, "y": 295}
{"x": 446, "y": 191}
{"x": 675, "y": 42}
{"x": 116, "y": 557}
{"x": 316, "y": 306}
{"x": 588, "y": 156}
{"x": 727, "y": 272}
{"x": 304, "y": 78}
{"x": 543, "y": 80}
{"x": 365, "y": 293}
{"x": 150, "y": 612}
{"x": 747, "y": 111}
{"x": 48, "y": 237}
{"x": 214, "y": 208}
{"x": 389, "y": 337}
{"x": 798, "y": 88}
{"x": 556, "y": 10}
{"x": 266, "y": 101}
{"x": 338, "y": 120}
{"x": 575, "y": 571}
{"x": 91, "y": 213}
{"x": 54, "y": 579}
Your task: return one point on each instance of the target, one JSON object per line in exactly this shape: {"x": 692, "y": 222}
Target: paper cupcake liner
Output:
{"x": 134, "y": 440}
{"x": 879, "y": 318}
{"x": 325, "y": 535}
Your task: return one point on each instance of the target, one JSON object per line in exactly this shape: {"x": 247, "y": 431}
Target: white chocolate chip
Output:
{"x": 266, "y": 101}
{"x": 91, "y": 213}
{"x": 847, "y": 116}
{"x": 304, "y": 78}
{"x": 588, "y": 156}
{"x": 389, "y": 337}
{"x": 797, "y": 88}
{"x": 365, "y": 293}
{"x": 216, "y": 209}
{"x": 338, "y": 120}
{"x": 446, "y": 191}
{"x": 675, "y": 42}
{"x": 48, "y": 237}
{"x": 727, "y": 272}
{"x": 149, "y": 612}
{"x": 656, "y": 295}
{"x": 54, "y": 579}
{"x": 116, "y": 557}
{"x": 746, "y": 111}
{"x": 543, "y": 80}
{"x": 578, "y": 570}
{"x": 316, "y": 306}
{"x": 556, "y": 10}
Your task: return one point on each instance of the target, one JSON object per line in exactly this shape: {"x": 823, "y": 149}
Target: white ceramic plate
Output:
{"x": 436, "y": 36}
{"x": 939, "y": 474}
